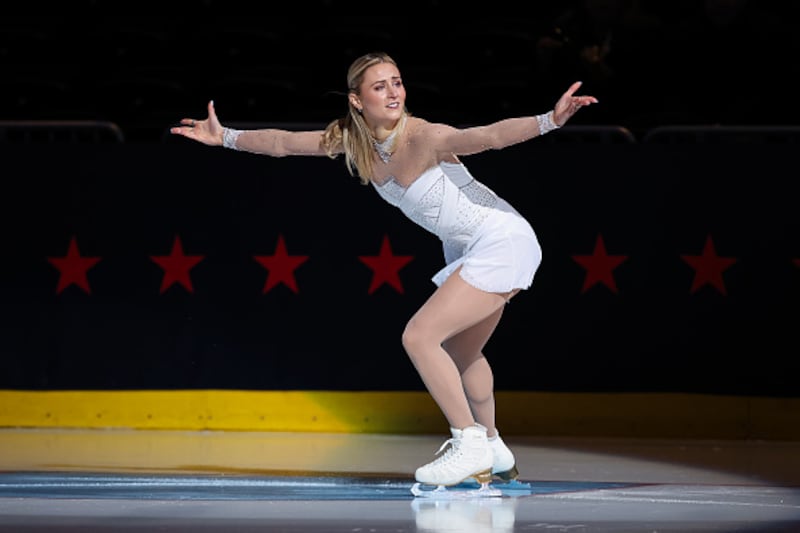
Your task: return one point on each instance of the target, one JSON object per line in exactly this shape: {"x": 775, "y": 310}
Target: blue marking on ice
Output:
{"x": 241, "y": 487}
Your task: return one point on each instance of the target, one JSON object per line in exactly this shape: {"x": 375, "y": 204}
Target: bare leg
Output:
{"x": 453, "y": 308}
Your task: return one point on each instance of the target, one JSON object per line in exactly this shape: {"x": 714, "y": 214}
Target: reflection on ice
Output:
{"x": 477, "y": 515}
{"x": 468, "y": 507}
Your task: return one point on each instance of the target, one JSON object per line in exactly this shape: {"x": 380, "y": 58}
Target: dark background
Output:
{"x": 143, "y": 65}
{"x": 695, "y": 136}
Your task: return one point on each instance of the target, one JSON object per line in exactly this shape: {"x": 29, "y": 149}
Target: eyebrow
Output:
{"x": 384, "y": 80}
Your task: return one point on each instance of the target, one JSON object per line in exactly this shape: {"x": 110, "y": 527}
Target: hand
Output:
{"x": 208, "y": 131}
{"x": 568, "y": 104}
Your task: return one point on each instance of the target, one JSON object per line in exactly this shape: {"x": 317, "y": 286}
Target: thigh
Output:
{"x": 466, "y": 346}
{"x": 455, "y": 307}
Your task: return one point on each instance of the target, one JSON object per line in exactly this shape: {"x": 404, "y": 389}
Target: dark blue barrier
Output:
{"x": 699, "y": 294}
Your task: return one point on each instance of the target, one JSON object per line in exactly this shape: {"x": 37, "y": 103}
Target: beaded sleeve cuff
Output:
{"x": 229, "y": 137}
{"x": 546, "y": 123}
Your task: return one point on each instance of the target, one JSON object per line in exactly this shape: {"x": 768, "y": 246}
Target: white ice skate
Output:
{"x": 467, "y": 455}
{"x": 504, "y": 466}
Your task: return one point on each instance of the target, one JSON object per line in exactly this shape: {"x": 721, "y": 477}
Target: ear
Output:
{"x": 354, "y": 101}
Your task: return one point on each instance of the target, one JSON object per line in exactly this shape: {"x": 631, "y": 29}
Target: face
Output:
{"x": 382, "y": 96}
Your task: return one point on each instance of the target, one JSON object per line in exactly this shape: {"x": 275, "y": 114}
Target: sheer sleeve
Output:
{"x": 274, "y": 142}
{"x": 476, "y": 139}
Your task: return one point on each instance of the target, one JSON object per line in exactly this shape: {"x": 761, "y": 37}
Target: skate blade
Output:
{"x": 455, "y": 492}
{"x": 508, "y": 475}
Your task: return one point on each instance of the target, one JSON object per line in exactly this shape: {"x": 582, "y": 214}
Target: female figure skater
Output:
{"x": 491, "y": 252}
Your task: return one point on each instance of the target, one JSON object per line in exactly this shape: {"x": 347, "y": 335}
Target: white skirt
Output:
{"x": 503, "y": 255}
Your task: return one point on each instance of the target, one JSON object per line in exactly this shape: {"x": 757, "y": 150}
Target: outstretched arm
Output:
{"x": 507, "y": 132}
{"x": 268, "y": 141}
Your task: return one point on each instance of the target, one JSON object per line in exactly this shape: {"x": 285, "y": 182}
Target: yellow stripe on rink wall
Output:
{"x": 375, "y": 412}
{"x": 406, "y": 412}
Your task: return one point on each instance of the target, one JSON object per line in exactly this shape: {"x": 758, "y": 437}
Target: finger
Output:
{"x": 574, "y": 87}
{"x": 185, "y": 126}
{"x": 211, "y": 111}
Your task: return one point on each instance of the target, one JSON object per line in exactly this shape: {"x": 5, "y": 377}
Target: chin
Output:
{"x": 394, "y": 113}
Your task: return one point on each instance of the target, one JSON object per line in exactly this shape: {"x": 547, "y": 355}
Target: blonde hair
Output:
{"x": 350, "y": 133}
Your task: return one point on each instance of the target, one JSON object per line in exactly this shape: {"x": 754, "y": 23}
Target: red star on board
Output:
{"x": 796, "y": 262}
{"x": 73, "y": 268}
{"x": 708, "y": 268}
{"x": 599, "y": 266}
{"x": 176, "y": 266}
{"x": 280, "y": 267}
{"x": 386, "y": 267}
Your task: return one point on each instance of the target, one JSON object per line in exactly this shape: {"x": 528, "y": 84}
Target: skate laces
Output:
{"x": 450, "y": 449}
{"x": 451, "y": 442}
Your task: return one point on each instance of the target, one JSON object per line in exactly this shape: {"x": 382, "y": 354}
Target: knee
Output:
{"x": 416, "y": 339}
{"x": 478, "y": 381}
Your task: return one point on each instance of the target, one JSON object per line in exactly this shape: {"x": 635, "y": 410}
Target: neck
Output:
{"x": 381, "y": 132}
{"x": 386, "y": 147}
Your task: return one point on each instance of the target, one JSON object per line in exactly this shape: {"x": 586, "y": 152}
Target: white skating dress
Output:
{"x": 495, "y": 246}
